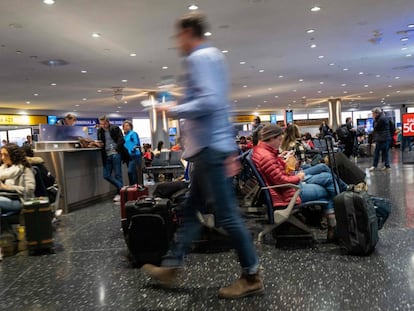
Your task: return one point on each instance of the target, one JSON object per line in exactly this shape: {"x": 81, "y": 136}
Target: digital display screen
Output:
{"x": 172, "y": 131}
{"x": 51, "y": 119}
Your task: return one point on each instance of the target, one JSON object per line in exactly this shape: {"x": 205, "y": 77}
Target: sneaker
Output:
{"x": 386, "y": 168}
{"x": 165, "y": 275}
{"x": 247, "y": 285}
{"x": 117, "y": 198}
{"x": 372, "y": 168}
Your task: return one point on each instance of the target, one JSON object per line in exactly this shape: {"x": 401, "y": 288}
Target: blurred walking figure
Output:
{"x": 209, "y": 144}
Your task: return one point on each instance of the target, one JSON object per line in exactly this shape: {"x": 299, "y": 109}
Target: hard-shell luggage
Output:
{"x": 130, "y": 193}
{"x": 356, "y": 222}
{"x": 150, "y": 228}
{"x": 382, "y": 209}
{"x": 38, "y": 223}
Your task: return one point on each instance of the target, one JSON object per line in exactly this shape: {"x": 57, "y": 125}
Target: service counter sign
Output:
{"x": 408, "y": 124}
{"x": 11, "y": 119}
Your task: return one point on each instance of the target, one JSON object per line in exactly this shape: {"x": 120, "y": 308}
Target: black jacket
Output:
{"x": 118, "y": 137}
{"x": 381, "y": 128}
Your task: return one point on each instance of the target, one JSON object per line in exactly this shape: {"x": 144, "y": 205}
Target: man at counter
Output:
{"x": 111, "y": 140}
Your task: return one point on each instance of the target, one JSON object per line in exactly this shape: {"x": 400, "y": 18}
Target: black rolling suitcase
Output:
{"x": 38, "y": 223}
{"x": 150, "y": 228}
{"x": 356, "y": 222}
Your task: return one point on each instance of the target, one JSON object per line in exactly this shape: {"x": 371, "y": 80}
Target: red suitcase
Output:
{"x": 130, "y": 193}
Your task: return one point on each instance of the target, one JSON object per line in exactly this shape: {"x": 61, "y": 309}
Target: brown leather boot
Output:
{"x": 165, "y": 275}
{"x": 247, "y": 285}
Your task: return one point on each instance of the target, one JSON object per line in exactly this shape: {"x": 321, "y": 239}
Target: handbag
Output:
{"x": 11, "y": 194}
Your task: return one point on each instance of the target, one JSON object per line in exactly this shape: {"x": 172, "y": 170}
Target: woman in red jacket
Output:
{"x": 272, "y": 166}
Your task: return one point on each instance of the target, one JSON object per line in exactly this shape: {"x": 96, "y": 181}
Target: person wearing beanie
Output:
{"x": 272, "y": 166}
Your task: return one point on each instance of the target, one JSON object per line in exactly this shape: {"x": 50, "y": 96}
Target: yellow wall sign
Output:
{"x": 243, "y": 119}
{"x": 12, "y": 119}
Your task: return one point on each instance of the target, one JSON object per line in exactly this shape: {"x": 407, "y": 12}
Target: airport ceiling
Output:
{"x": 361, "y": 51}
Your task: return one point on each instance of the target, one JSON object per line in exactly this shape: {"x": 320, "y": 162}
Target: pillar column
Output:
{"x": 158, "y": 124}
{"x": 335, "y": 110}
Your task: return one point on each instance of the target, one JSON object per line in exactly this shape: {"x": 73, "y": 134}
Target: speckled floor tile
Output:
{"x": 90, "y": 271}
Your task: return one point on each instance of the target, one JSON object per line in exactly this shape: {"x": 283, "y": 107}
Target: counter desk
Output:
{"x": 79, "y": 173}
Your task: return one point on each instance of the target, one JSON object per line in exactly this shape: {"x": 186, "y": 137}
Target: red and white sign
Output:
{"x": 408, "y": 124}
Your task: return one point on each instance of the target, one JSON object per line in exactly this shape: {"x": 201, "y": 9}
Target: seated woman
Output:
{"x": 15, "y": 175}
{"x": 320, "y": 173}
{"x": 273, "y": 169}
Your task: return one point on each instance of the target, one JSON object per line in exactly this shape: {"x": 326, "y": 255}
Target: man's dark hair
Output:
{"x": 196, "y": 21}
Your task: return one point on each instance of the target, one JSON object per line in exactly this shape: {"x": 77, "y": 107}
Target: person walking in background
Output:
{"x": 133, "y": 145}
{"x": 210, "y": 147}
{"x": 68, "y": 120}
{"x": 382, "y": 138}
{"x": 111, "y": 140}
{"x": 257, "y": 127}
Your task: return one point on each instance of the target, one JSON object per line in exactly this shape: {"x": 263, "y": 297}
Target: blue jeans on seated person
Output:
{"x": 7, "y": 205}
{"x": 313, "y": 192}
{"x": 113, "y": 163}
{"x": 210, "y": 186}
{"x": 321, "y": 174}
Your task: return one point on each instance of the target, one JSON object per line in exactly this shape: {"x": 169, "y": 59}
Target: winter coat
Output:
{"x": 18, "y": 178}
{"x": 381, "y": 128}
{"x": 118, "y": 138}
{"x": 273, "y": 170}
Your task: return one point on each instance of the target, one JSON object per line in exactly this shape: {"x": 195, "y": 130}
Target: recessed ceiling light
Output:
{"x": 125, "y": 102}
{"x": 310, "y": 31}
{"x": 404, "y": 39}
{"x": 244, "y": 86}
{"x": 300, "y": 80}
{"x": 193, "y": 7}
{"x": 99, "y": 91}
{"x": 361, "y": 73}
{"x": 321, "y": 83}
{"x": 294, "y": 91}
{"x": 404, "y": 48}
{"x": 35, "y": 94}
{"x": 207, "y": 34}
{"x": 345, "y": 92}
{"x": 242, "y": 63}
{"x": 49, "y": 2}
{"x": 408, "y": 55}
{"x": 249, "y": 95}
{"x": 96, "y": 34}
{"x": 319, "y": 91}
{"x": 343, "y": 84}
{"x": 345, "y": 69}
{"x": 371, "y": 92}
{"x": 53, "y": 84}
{"x": 28, "y": 102}
{"x": 84, "y": 71}
{"x": 321, "y": 56}
{"x": 224, "y": 51}
{"x": 315, "y": 9}
{"x": 119, "y": 107}
{"x": 313, "y": 46}
{"x": 164, "y": 67}
{"x": 265, "y": 101}
{"x": 410, "y": 26}
{"x": 366, "y": 85}
{"x": 303, "y": 97}
{"x": 378, "y": 76}
{"x": 19, "y": 52}
{"x": 269, "y": 89}
{"x": 124, "y": 81}
{"x": 276, "y": 96}
{"x": 398, "y": 91}
{"x": 397, "y": 78}
{"x": 235, "y": 100}
{"x": 261, "y": 70}
{"x": 84, "y": 99}
{"x": 77, "y": 105}
{"x": 388, "y": 95}
{"x": 389, "y": 85}
{"x": 117, "y": 111}
{"x": 280, "y": 77}
{"x": 133, "y": 54}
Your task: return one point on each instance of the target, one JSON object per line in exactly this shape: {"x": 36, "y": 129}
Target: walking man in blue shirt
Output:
{"x": 209, "y": 145}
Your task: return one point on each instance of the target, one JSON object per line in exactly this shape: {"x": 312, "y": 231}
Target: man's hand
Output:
{"x": 301, "y": 175}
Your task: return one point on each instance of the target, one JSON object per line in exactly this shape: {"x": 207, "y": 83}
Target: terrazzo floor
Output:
{"x": 90, "y": 271}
